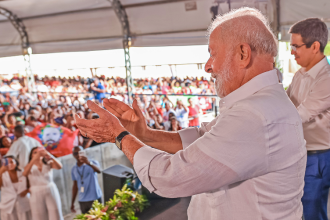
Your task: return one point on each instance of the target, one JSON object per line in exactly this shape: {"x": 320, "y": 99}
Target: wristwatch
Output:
{"x": 120, "y": 137}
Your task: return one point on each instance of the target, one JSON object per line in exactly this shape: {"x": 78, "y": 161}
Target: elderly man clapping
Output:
{"x": 249, "y": 162}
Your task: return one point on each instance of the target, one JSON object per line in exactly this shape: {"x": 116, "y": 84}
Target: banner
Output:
{"x": 57, "y": 140}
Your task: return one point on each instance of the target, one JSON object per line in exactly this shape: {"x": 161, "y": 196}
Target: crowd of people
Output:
{"x": 58, "y": 98}
{"x": 27, "y": 181}
{"x": 113, "y": 85}
{"x": 58, "y": 109}
{"x": 26, "y": 171}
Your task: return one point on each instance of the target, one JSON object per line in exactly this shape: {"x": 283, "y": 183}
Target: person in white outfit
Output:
{"x": 15, "y": 203}
{"x": 21, "y": 148}
{"x": 181, "y": 113}
{"x": 44, "y": 192}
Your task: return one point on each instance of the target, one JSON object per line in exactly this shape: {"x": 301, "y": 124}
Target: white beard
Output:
{"x": 222, "y": 77}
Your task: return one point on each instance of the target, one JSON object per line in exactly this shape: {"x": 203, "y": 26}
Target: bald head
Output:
{"x": 245, "y": 25}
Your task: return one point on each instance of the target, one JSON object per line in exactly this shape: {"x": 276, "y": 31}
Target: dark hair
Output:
{"x": 95, "y": 116}
{"x": 32, "y": 118}
{"x": 1, "y": 139}
{"x": 30, "y": 156}
{"x": 17, "y": 163}
{"x": 171, "y": 127}
{"x": 311, "y": 30}
{"x": 11, "y": 115}
{"x": 19, "y": 129}
{"x": 79, "y": 147}
{"x": 17, "y": 114}
{"x": 172, "y": 117}
{"x": 30, "y": 110}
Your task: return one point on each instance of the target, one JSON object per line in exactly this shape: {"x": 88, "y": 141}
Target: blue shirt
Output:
{"x": 99, "y": 95}
{"x": 92, "y": 190}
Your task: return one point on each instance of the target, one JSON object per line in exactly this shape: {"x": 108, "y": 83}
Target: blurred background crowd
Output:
{"x": 57, "y": 99}
{"x": 161, "y": 85}
{"x": 39, "y": 126}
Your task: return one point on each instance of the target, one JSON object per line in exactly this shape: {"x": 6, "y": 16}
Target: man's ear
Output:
{"x": 316, "y": 47}
{"x": 244, "y": 51}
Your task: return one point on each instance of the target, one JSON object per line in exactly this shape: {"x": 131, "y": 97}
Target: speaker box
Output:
{"x": 115, "y": 178}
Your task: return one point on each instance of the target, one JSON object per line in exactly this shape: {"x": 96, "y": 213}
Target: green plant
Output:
{"x": 123, "y": 206}
{"x": 327, "y": 50}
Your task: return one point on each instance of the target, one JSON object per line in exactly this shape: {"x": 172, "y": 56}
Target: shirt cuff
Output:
{"x": 141, "y": 162}
{"x": 304, "y": 114}
{"x": 188, "y": 136}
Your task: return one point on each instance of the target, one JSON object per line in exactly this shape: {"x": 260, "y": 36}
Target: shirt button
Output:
{"x": 297, "y": 123}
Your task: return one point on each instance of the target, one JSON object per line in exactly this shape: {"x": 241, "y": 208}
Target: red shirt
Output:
{"x": 164, "y": 89}
{"x": 186, "y": 90}
{"x": 193, "y": 111}
{"x": 54, "y": 83}
{"x": 160, "y": 111}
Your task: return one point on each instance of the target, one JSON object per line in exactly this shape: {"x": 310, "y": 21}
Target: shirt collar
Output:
{"x": 81, "y": 165}
{"x": 254, "y": 85}
{"x": 316, "y": 68}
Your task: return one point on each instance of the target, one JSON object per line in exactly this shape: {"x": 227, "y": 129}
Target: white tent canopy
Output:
{"x": 85, "y": 25}
{"x": 292, "y": 11}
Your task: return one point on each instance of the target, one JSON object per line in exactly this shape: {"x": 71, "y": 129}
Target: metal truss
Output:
{"x": 26, "y": 49}
{"x": 122, "y": 16}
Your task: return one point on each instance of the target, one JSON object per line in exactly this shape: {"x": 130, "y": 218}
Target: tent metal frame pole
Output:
{"x": 127, "y": 40}
{"x": 229, "y": 5}
{"x": 278, "y": 17}
{"x": 26, "y": 49}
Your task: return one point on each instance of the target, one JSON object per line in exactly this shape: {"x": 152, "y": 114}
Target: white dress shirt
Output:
{"x": 310, "y": 93}
{"x": 248, "y": 163}
{"x": 21, "y": 149}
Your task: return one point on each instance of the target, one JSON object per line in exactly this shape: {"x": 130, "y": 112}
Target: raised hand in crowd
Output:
{"x": 38, "y": 156}
{"x": 84, "y": 159}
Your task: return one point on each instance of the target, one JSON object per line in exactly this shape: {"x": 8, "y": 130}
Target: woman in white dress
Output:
{"x": 45, "y": 199}
{"x": 15, "y": 203}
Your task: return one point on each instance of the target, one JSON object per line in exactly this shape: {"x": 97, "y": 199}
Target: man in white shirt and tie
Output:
{"x": 249, "y": 162}
{"x": 310, "y": 93}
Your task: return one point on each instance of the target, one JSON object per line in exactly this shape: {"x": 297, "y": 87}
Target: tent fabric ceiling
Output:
{"x": 292, "y": 11}
{"x": 84, "y": 25}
